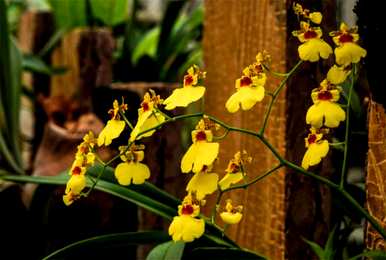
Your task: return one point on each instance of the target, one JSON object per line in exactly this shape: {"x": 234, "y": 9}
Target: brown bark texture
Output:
{"x": 376, "y": 179}
{"x": 234, "y": 32}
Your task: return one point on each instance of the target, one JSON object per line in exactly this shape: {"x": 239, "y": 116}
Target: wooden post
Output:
{"x": 376, "y": 179}
{"x": 235, "y": 31}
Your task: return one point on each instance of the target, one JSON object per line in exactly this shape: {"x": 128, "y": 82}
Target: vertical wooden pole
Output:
{"x": 235, "y": 31}
{"x": 376, "y": 179}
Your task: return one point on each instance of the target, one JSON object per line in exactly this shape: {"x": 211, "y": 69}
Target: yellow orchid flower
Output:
{"x": 313, "y": 46}
{"x": 131, "y": 170}
{"x": 348, "y": 51}
{"x": 231, "y": 215}
{"x": 337, "y": 74}
{"x": 315, "y": 17}
{"x": 325, "y": 111}
{"x": 148, "y": 117}
{"x": 203, "y": 183}
{"x": 186, "y": 227}
{"x": 202, "y": 152}
{"x": 114, "y": 126}
{"x": 235, "y": 170}
{"x": 316, "y": 149}
{"x": 76, "y": 183}
{"x": 250, "y": 87}
{"x": 189, "y": 93}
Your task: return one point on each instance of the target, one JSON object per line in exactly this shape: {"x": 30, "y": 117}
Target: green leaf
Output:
{"x": 110, "y": 12}
{"x": 319, "y": 251}
{"x": 10, "y": 90}
{"x": 329, "y": 247}
{"x": 33, "y": 63}
{"x": 169, "y": 250}
{"x": 223, "y": 254}
{"x": 147, "y": 45}
{"x": 69, "y": 13}
{"x": 115, "y": 240}
{"x": 52, "y": 42}
{"x": 374, "y": 255}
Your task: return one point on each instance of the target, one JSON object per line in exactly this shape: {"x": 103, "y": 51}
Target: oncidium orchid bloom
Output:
{"x": 186, "y": 226}
{"x": 317, "y": 148}
{"x": 148, "y": 116}
{"x": 235, "y": 171}
{"x": 202, "y": 152}
{"x": 337, "y": 74}
{"x": 190, "y": 92}
{"x": 114, "y": 126}
{"x": 249, "y": 88}
{"x": 84, "y": 158}
{"x": 312, "y": 47}
{"x": 347, "y": 50}
{"x": 203, "y": 183}
{"x": 231, "y": 215}
{"x": 131, "y": 170}
{"x": 325, "y": 111}
{"x": 315, "y": 17}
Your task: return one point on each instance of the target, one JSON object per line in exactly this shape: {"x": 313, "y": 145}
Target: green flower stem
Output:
{"x": 346, "y": 136}
{"x": 254, "y": 180}
{"x": 125, "y": 119}
{"x": 214, "y": 210}
{"x": 276, "y": 94}
{"x": 95, "y": 181}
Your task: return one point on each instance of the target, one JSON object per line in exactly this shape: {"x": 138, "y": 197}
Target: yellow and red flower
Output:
{"x": 317, "y": 148}
{"x": 231, "y": 215}
{"x": 114, "y": 126}
{"x": 312, "y": 47}
{"x": 347, "y": 50}
{"x": 131, "y": 170}
{"x": 148, "y": 116}
{"x": 186, "y": 226}
{"x": 203, "y": 183}
{"x": 190, "y": 92}
{"x": 235, "y": 171}
{"x": 202, "y": 152}
{"x": 249, "y": 88}
{"x": 325, "y": 111}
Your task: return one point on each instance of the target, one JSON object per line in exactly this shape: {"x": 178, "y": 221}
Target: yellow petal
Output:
{"x": 68, "y": 199}
{"x": 325, "y": 113}
{"x": 229, "y": 179}
{"x": 142, "y": 117}
{"x": 315, "y": 153}
{"x": 337, "y": 75}
{"x": 314, "y": 49}
{"x": 198, "y": 155}
{"x": 111, "y": 131}
{"x": 246, "y": 97}
{"x": 349, "y": 53}
{"x": 76, "y": 184}
{"x": 316, "y": 17}
{"x": 131, "y": 172}
{"x": 151, "y": 121}
{"x": 182, "y": 97}
{"x": 231, "y": 218}
{"x": 203, "y": 184}
{"x": 186, "y": 228}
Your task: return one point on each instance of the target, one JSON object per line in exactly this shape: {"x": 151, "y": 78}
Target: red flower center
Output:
{"x": 311, "y": 139}
{"x": 324, "y": 95}
{"x": 145, "y": 106}
{"x": 76, "y": 170}
{"x": 310, "y": 34}
{"x": 345, "y": 38}
{"x": 245, "y": 81}
{"x": 201, "y": 136}
{"x": 188, "y": 80}
{"x": 187, "y": 210}
{"x": 234, "y": 168}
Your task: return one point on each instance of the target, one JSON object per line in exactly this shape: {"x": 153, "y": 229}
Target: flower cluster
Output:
{"x": 84, "y": 158}
{"x": 326, "y": 112}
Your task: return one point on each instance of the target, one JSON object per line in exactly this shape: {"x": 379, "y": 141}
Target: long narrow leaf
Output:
{"x": 116, "y": 240}
{"x": 223, "y": 253}
{"x": 110, "y": 12}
